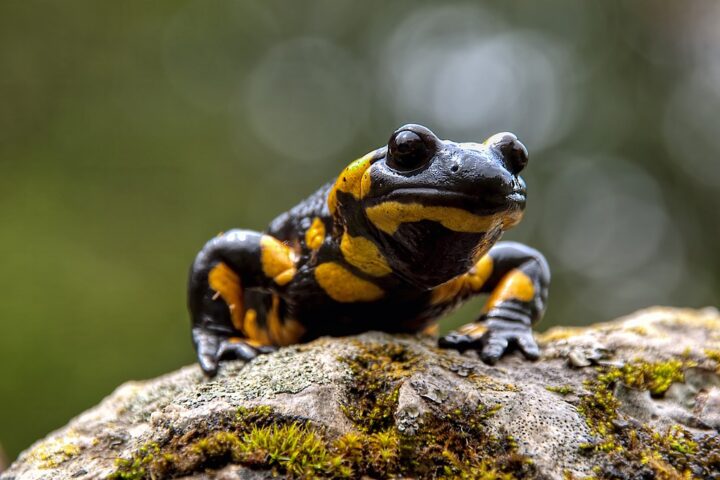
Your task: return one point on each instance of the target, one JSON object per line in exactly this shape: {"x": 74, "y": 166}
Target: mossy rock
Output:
{"x": 635, "y": 398}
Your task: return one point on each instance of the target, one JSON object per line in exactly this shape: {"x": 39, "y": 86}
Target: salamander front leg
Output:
{"x": 518, "y": 287}
{"x": 228, "y": 264}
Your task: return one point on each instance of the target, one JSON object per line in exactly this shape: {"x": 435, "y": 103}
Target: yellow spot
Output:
{"x": 431, "y": 329}
{"x": 471, "y": 281}
{"x": 332, "y": 200}
{"x": 315, "y": 235}
{"x": 273, "y": 319}
{"x": 292, "y": 332}
{"x": 364, "y": 254}
{"x": 473, "y": 329}
{"x": 252, "y": 343}
{"x": 447, "y": 291}
{"x": 247, "y": 341}
{"x": 365, "y": 183}
{"x": 227, "y": 284}
{"x": 352, "y": 180}
{"x": 342, "y": 286}
{"x": 254, "y": 332}
{"x": 516, "y": 285}
{"x": 479, "y": 274}
{"x": 277, "y": 260}
{"x": 388, "y": 216}
{"x": 285, "y": 277}
{"x": 282, "y": 331}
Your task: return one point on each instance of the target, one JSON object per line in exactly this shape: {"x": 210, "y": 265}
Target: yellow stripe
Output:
{"x": 365, "y": 183}
{"x": 480, "y": 273}
{"x": 283, "y": 331}
{"x": 471, "y": 281}
{"x": 516, "y": 285}
{"x": 447, "y": 291}
{"x": 364, "y": 254}
{"x": 253, "y": 331}
{"x": 473, "y": 329}
{"x": 315, "y": 235}
{"x": 292, "y": 332}
{"x": 388, "y": 216}
{"x": 352, "y": 180}
{"x": 227, "y": 283}
{"x": 273, "y": 320}
{"x": 342, "y": 286}
{"x": 431, "y": 329}
{"x": 277, "y": 260}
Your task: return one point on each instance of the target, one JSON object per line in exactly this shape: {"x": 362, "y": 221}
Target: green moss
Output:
{"x": 136, "y": 468}
{"x": 714, "y": 355}
{"x": 295, "y": 450}
{"x": 560, "y": 390}
{"x": 448, "y": 443}
{"x": 655, "y": 377}
{"x": 53, "y": 452}
{"x": 377, "y": 371}
{"x": 627, "y": 450}
{"x": 455, "y": 446}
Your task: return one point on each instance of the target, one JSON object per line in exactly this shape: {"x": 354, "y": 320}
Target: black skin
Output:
{"x": 416, "y": 167}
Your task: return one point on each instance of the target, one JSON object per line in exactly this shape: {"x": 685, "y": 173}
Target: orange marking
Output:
{"x": 472, "y": 329}
{"x": 466, "y": 283}
{"x": 226, "y": 284}
{"x": 277, "y": 260}
{"x": 365, "y": 183}
{"x": 447, "y": 291}
{"x": 253, "y": 343}
{"x": 431, "y": 329}
{"x": 246, "y": 341}
{"x": 364, "y": 254}
{"x": 343, "y": 286}
{"x": 273, "y": 320}
{"x": 388, "y": 216}
{"x": 516, "y": 285}
{"x": 351, "y": 181}
{"x": 283, "y": 331}
{"x": 292, "y": 332}
{"x": 254, "y": 332}
{"x": 315, "y": 235}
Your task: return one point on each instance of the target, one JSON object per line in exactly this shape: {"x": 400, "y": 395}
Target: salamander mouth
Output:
{"x": 480, "y": 204}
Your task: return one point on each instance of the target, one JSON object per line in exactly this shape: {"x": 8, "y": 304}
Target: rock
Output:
{"x": 635, "y": 398}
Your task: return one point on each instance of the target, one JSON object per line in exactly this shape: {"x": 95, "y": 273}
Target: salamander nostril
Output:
{"x": 455, "y": 168}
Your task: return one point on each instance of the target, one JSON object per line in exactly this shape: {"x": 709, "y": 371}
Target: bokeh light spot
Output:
{"x": 306, "y": 99}
{"x": 448, "y": 66}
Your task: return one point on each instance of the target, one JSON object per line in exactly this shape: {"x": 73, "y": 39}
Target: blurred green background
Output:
{"x": 131, "y": 132}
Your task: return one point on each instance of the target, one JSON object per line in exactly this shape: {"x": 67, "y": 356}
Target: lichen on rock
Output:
{"x": 634, "y": 398}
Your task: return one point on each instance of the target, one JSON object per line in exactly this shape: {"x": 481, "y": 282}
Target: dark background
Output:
{"x": 131, "y": 132}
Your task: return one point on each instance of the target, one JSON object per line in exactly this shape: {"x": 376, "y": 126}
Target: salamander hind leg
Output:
{"x": 212, "y": 347}
{"x": 221, "y": 296}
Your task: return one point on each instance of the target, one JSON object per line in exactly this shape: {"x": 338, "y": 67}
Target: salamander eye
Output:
{"x": 408, "y": 149}
{"x": 511, "y": 149}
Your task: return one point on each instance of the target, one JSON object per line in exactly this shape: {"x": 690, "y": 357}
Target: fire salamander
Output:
{"x": 403, "y": 235}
